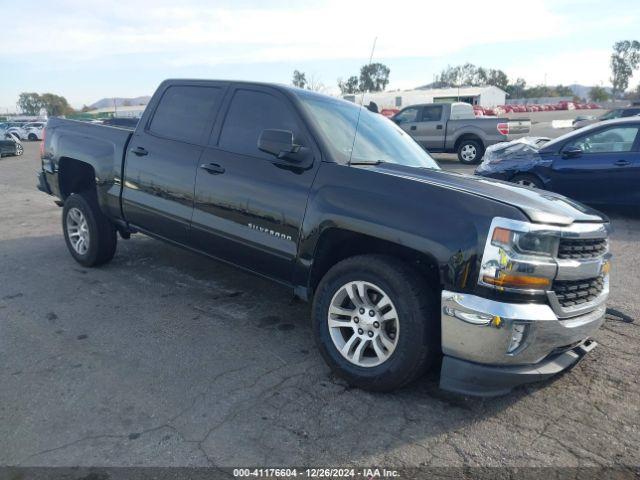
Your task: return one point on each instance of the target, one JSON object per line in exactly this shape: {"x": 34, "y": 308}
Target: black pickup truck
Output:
{"x": 405, "y": 263}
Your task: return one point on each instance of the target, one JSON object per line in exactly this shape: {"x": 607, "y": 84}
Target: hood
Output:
{"x": 539, "y": 205}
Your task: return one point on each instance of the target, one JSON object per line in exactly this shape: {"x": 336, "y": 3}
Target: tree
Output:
{"x": 624, "y": 60}
{"x": 299, "y": 79}
{"x": 348, "y": 87}
{"x": 497, "y": 78}
{"x": 634, "y": 94}
{"x": 29, "y": 103}
{"x": 315, "y": 84}
{"x": 470, "y": 75}
{"x": 598, "y": 94}
{"x": 55, "y": 105}
{"x": 374, "y": 77}
{"x": 516, "y": 89}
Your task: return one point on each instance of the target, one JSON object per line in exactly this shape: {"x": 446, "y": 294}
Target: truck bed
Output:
{"x": 102, "y": 147}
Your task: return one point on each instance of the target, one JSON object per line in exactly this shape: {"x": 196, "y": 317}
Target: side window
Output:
{"x": 630, "y": 112}
{"x": 249, "y": 114}
{"x": 406, "y": 116}
{"x": 184, "y": 112}
{"x": 432, "y": 114}
{"x": 611, "y": 140}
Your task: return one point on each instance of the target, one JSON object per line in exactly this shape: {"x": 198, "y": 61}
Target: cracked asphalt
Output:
{"x": 166, "y": 358}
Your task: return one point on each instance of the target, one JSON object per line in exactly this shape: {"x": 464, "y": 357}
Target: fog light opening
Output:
{"x": 518, "y": 332}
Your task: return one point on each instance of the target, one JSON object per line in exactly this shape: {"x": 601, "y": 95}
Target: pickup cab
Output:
{"x": 405, "y": 264}
{"x": 454, "y": 128}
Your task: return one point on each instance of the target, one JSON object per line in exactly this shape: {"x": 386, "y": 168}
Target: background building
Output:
{"x": 487, "y": 96}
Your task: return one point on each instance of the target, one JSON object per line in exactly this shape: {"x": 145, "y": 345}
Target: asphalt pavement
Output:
{"x": 167, "y": 358}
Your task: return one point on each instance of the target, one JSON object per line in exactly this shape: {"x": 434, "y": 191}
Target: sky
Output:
{"x": 86, "y": 50}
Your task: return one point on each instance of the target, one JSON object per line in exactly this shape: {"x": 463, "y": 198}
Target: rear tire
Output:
{"x": 470, "y": 152}
{"x": 90, "y": 236}
{"x": 406, "y": 335}
{"x": 527, "y": 180}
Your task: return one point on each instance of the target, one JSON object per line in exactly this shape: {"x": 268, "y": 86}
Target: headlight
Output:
{"x": 516, "y": 259}
{"x": 527, "y": 243}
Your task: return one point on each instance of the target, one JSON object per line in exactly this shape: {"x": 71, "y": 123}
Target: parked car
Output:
{"x": 453, "y": 127}
{"x": 598, "y": 164}
{"x": 631, "y": 111}
{"x": 33, "y": 130}
{"x": 16, "y": 128}
{"x": 401, "y": 259}
{"x": 10, "y": 145}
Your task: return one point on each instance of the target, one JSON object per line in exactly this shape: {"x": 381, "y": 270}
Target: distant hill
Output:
{"x": 120, "y": 102}
{"x": 582, "y": 91}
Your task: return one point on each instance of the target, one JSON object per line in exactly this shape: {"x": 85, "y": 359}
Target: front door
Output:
{"x": 605, "y": 170}
{"x": 163, "y": 156}
{"x": 408, "y": 119}
{"x": 249, "y": 205}
{"x": 429, "y": 130}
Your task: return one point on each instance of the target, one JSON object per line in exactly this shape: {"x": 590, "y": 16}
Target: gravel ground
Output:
{"x": 166, "y": 358}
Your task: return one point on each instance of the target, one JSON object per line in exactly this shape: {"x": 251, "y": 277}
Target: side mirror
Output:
{"x": 571, "y": 152}
{"x": 277, "y": 142}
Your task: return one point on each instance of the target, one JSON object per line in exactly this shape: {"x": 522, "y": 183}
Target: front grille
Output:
{"x": 575, "y": 292}
{"x": 582, "y": 247}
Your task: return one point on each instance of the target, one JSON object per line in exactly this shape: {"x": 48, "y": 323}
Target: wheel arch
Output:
{"x": 468, "y": 136}
{"x": 336, "y": 244}
{"x": 75, "y": 176}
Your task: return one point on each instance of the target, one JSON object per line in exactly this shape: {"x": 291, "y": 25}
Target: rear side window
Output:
{"x": 431, "y": 114}
{"x": 185, "y": 112}
{"x": 249, "y": 114}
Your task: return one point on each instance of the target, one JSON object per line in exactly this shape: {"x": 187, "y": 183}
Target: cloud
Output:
{"x": 193, "y": 34}
{"x": 586, "y": 67}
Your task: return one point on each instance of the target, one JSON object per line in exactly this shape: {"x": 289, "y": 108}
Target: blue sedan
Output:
{"x": 598, "y": 164}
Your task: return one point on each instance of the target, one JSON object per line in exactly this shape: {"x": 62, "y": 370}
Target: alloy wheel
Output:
{"x": 363, "y": 323}
{"x": 78, "y": 231}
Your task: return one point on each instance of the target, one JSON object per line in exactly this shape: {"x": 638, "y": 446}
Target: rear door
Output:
{"x": 249, "y": 205}
{"x": 429, "y": 131}
{"x": 163, "y": 156}
{"x": 606, "y": 171}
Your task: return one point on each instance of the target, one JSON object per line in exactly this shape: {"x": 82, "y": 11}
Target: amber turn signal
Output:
{"x": 507, "y": 280}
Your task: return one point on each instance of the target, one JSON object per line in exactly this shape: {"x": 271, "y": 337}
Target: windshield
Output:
{"x": 610, "y": 115}
{"x": 378, "y": 139}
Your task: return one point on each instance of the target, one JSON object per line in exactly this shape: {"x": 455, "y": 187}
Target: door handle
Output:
{"x": 139, "y": 151}
{"x": 622, "y": 163}
{"x": 438, "y": 127}
{"x": 413, "y": 127}
{"x": 212, "y": 168}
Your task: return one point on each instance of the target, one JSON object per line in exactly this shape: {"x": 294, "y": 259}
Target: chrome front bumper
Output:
{"x": 480, "y": 331}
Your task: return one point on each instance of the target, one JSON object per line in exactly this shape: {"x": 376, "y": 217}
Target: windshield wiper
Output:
{"x": 366, "y": 162}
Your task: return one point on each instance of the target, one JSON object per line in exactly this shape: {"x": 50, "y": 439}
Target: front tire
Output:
{"x": 19, "y": 150}
{"x": 375, "y": 320}
{"x": 528, "y": 181}
{"x": 32, "y": 137}
{"x": 470, "y": 152}
{"x": 90, "y": 236}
